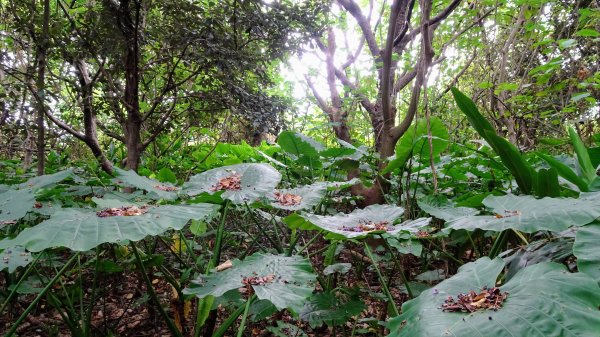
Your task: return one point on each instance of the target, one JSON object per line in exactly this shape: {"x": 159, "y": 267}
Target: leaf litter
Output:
{"x": 287, "y": 199}
{"x": 230, "y": 183}
{"x": 368, "y": 226}
{"x": 488, "y": 298}
{"x": 166, "y": 188}
{"x": 122, "y": 211}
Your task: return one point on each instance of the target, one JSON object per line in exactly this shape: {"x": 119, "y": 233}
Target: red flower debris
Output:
{"x": 122, "y": 211}
{"x": 288, "y": 199}
{"x": 231, "y": 183}
{"x": 166, "y": 188}
{"x": 368, "y": 226}
{"x": 37, "y": 205}
{"x": 491, "y": 298}
{"x": 507, "y": 214}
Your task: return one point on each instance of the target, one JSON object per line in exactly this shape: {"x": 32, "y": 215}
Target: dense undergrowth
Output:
{"x": 483, "y": 240}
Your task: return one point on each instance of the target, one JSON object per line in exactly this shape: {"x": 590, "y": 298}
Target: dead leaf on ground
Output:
{"x": 287, "y": 199}
{"x": 122, "y": 211}
{"x": 230, "y": 183}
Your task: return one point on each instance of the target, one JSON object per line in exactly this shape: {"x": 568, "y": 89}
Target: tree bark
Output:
{"x": 42, "y": 49}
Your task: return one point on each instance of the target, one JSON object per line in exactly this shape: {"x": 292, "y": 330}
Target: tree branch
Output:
{"x": 364, "y": 25}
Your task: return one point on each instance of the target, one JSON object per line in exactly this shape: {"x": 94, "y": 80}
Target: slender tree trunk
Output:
{"x": 42, "y": 49}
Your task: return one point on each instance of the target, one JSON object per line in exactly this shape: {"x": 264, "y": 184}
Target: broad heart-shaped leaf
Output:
{"x": 416, "y": 141}
{"x": 290, "y": 280}
{"x": 48, "y": 179}
{"x": 14, "y": 257}
{"x": 298, "y": 144}
{"x": 543, "y": 300}
{"x": 155, "y": 189}
{"x": 528, "y": 214}
{"x": 14, "y": 204}
{"x": 586, "y": 250}
{"x": 441, "y": 208}
{"x": 311, "y": 196}
{"x": 341, "y": 224}
{"x": 256, "y": 180}
{"x": 331, "y": 308}
{"x": 81, "y": 229}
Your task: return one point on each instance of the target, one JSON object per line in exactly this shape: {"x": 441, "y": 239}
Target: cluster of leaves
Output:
{"x": 293, "y": 197}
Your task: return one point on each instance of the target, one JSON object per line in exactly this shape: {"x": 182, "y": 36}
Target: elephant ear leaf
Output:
{"x": 239, "y": 183}
{"x": 537, "y": 301}
{"x": 83, "y": 229}
{"x": 154, "y": 188}
{"x": 285, "y": 281}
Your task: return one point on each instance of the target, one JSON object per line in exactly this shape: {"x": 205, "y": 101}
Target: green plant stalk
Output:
{"x": 293, "y": 241}
{"x": 88, "y": 316}
{"x": 40, "y": 295}
{"x": 382, "y": 281}
{"x": 23, "y": 277}
{"x": 262, "y": 230}
{"x": 400, "y": 269}
{"x": 231, "y": 319}
{"x": 214, "y": 261}
{"x": 310, "y": 242}
{"x": 498, "y": 244}
{"x": 244, "y": 317}
{"x": 219, "y": 239}
{"x": 174, "y": 330}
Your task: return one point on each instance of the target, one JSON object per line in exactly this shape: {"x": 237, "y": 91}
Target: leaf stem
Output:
{"x": 386, "y": 290}
{"x": 40, "y": 295}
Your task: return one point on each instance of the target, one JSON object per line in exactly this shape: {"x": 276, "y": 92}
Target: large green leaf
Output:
{"x": 512, "y": 159}
{"x": 585, "y": 164}
{"x": 290, "y": 280}
{"x": 47, "y": 179}
{"x": 510, "y": 155}
{"x": 14, "y": 257}
{"x": 310, "y": 196}
{"x": 298, "y": 144}
{"x": 331, "y": 308}
{"x": 476, "y": 119}
{"x": 441, "y": 208}
{"x": 155, "y": 188}
{"x": 528, "y": 214}
{"x": 343, "y": 224}
{"x": 82, "y": 229}
{"x": 586, "y": 250}
{"x": 543, "y": 300}
{"x": 14, "y": 204}
{"x": 256, "y": 181}
{"x": 565, "y": 172}
{"x": 415, "y": 141}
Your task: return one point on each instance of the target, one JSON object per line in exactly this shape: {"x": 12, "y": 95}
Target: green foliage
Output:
{"x": 83, "y": 229}
{"x": 287, "y": 281}
{"x": 585, "y": 249}
{"x": 528, "y": 214}
{"x": 543, "y": 300}
{"x": 416, "y": 140}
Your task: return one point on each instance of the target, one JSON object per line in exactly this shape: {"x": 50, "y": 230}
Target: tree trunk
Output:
{"x": 42, "y": 48}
